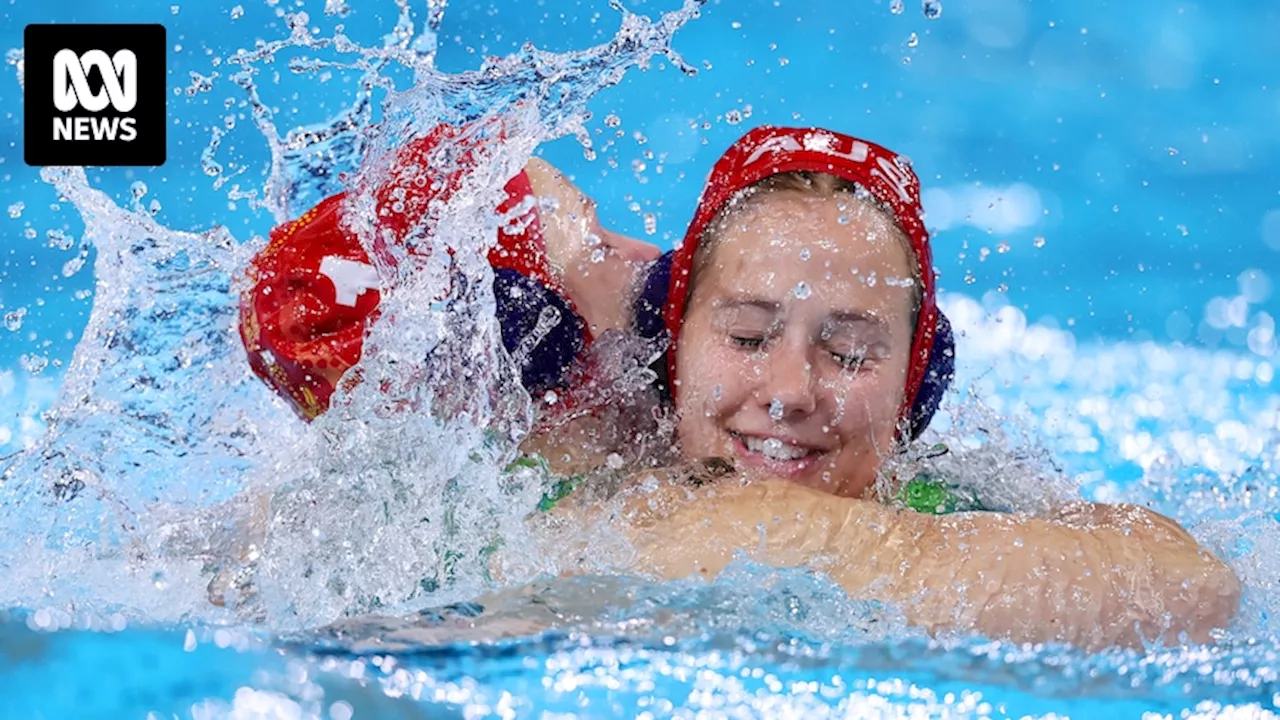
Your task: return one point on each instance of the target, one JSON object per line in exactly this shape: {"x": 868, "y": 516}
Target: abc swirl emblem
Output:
{"x": 94, "y": 95}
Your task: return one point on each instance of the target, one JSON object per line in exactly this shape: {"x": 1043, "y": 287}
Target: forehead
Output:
{"x": 837, "y": 245}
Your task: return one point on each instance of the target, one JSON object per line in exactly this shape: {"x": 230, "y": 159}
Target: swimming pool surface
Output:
{"x": 1101, "y": 180}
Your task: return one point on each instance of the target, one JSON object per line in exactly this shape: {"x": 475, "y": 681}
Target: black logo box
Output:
{"x": 42, "y": 42}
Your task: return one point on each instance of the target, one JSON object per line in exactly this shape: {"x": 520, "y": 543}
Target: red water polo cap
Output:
{"x": 313, "y": 290}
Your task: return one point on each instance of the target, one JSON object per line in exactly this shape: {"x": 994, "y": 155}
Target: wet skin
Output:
{"x": 794, "y": 351}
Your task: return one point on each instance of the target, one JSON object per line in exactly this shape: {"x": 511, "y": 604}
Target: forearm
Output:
{"x": 1122, "y": 578}
{"x": 1095, "y": 576}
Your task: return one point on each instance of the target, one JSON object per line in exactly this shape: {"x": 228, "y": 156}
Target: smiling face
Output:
{"x": 793, "y": 355}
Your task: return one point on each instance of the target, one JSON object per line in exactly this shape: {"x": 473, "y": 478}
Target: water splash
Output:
{"x": 158, "y": 420}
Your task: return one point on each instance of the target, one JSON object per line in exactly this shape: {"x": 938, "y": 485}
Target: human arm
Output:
{"x": 595, "y": 264}
{"x": 1093, "y": 576}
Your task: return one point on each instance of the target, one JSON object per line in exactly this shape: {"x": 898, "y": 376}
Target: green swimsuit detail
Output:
{"x": 928, "y": 492}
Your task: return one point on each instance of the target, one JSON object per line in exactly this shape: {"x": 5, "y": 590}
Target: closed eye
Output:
{"x": 747, "y": 342}
{"x": 849, "y": 361}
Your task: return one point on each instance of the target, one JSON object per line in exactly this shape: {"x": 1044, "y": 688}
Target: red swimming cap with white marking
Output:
{"x": 313, "y": 291}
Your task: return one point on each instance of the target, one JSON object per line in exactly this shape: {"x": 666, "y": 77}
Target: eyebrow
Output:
{"x": 836, "y": 317}
{"x": 750, "y": 301}
{"x": 850, "y": 317}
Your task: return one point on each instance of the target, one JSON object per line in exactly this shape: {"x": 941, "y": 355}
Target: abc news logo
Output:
{"x": 94, "y": 95}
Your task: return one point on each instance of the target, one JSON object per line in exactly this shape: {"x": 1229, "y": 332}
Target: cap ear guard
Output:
{"x": 938, "y": 374}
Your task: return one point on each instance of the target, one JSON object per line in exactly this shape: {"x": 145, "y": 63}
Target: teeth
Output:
{"x": 774, "y": 448}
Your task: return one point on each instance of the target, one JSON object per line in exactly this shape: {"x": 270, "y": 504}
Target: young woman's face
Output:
{"x": 794, "y": 351}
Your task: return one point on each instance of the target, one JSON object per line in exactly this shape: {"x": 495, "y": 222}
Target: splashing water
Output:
{"x": 162, "y": 446}
{"x": 159, "y": 419}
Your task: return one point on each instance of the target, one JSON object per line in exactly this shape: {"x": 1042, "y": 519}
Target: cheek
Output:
{"x": 866, "y": 408}
{"x": 709, "y": 377}
{"x": 715, "y": 383}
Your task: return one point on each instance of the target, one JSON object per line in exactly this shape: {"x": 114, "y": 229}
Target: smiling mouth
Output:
{"x": 774, "y": 449}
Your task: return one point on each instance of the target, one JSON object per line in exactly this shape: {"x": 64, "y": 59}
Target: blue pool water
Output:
{"x": 1102, "y": 184}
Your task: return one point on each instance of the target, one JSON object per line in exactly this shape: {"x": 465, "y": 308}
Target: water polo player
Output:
{"x": 806, "y": 346}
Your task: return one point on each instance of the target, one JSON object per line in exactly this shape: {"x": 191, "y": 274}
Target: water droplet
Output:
{"x": 913, "y": 40}
{"x": 30, "y": 233}
{"x": 1039, "y": 241}
{"x": 15, "y": 210}
{"x": 1172, "y": 151}
{"x": 804, "y": 254}
{"x": 1003, "y": 247}
{"x": 1002, "y": 287}
{"x": 775, "y": 409}
{"x": 612, "y": 120}
{"x": 138, "y": 189}
{"x": 735, "y": 25}
{"x": 174, "y": 9}
{"x": 59, "y": 239}
{"x": 237, "y": 12}
{"x": 843, "y": 219}
{"x": 802, "y": 290}
{"x": 72, "y": 266}
{"x": 13, "y": 319}
{"x": 597, "y": 255}
{"x": 34, "y": 364}
{"x": 733, "y": 117}
{"x": 969, "y": 279}
{"x": 783, "y": 61}
{"x": 650, "y": 224}
{"x": 717, "y": 392}
{"x": 932, "y": 9}
{"x": 158, "y": 579}
{"x": 550, "y": 398}
{"x": 896, "y": 7}
{"x": 638, "y": 165}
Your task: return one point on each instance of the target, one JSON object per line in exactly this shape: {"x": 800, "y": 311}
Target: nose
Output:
{"x": 789, "y": 390}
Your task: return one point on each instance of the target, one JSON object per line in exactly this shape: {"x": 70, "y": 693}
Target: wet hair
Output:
{"x": 813, "y": 184}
